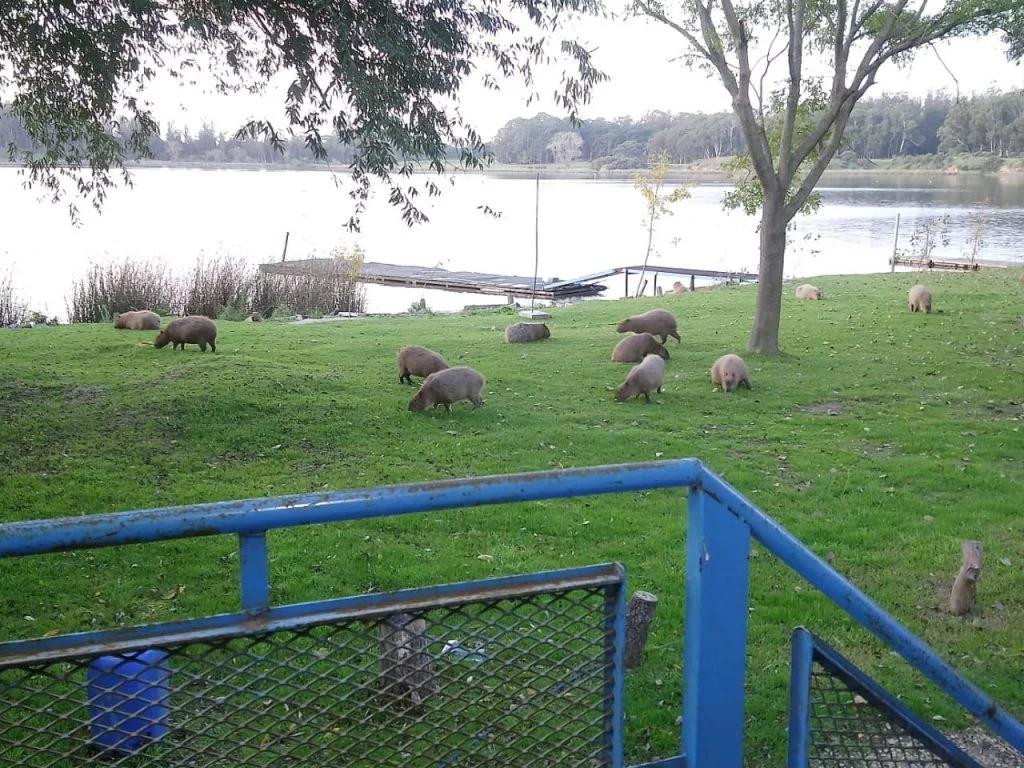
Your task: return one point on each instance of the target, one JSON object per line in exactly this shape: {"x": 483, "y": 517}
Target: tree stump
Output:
{"x": 639, "y": 617}
{"x": 406, "y": 669}
{"x": 961, "y": 599}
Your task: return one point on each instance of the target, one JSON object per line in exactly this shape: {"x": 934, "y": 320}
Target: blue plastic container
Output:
{"x": 129, "y": 698}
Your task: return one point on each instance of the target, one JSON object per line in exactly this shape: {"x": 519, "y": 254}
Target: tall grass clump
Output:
{"x": 330, "y": 286}
{"x": 12, "y": 311}
{"x": 215, "y": 287}
{"x": 107, "y": 289}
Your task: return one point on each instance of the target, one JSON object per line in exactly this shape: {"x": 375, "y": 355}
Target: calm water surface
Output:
{"x": 585, "y": 226}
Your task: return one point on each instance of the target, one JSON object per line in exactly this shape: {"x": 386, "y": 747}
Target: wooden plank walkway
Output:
{"x": 403, "y": 276}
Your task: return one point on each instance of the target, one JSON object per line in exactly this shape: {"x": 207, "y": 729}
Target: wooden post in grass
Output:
{"x": 639, "y": 617}
{"x": 406, "y": 671}
{"x": 961, "y": 599}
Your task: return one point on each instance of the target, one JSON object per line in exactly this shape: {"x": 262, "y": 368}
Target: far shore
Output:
{"x": 711, "y": 171}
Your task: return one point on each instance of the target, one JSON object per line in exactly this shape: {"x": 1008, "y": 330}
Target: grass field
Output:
{"x": 880, "y": 436}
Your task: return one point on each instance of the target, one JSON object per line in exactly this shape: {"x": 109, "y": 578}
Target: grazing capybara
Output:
{"x": 657, "y": 322}
{"x": 808, "y": 291}
{"x": 633, "y": 349}
{"x": 449, "y": 386}
{"x": 194, "y": 329}
{"x": 920, "y": 299}
{"x": 520, "y": 333}
{"x": 418, "y": 361}
{"x": 143, "y": 320}
{"x": 643, "y": 379}
{"x": 729, "y": 372}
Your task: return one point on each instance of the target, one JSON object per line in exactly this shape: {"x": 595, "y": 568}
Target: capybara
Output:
{"x": 642, "y": 379}
{"x": 449, "y": 386}
{"x": 633, "y": 349}
{"x": 808, "y": 291}
{"x": 678, "y": 287}
{"x": 729, "y": 372}
{"x": 418, "y": 361}
{"x": 657, "y": 322}
{"x": 520, "y": 333}
{"x": 194, "y": 329}
{"x": 143, "y": 320}
{"x": 920, "y": 299}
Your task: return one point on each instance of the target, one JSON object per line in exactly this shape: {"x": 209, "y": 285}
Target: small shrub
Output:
{"x": 108, "y": 289}
{"x": 419, "y": 307}
{"x": 330, "y": 287}
{"x": 12, "y": 311}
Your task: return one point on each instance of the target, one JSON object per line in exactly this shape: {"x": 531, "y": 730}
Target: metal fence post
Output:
{"x": 255, "y": 571}
{"x": 717, "y": 551}
{"x": 801, "y": 663}
{"x": 615, "y": 677}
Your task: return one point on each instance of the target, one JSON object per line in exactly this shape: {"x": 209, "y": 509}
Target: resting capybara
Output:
{"x": 920, "y": 299}
{"x": 449, "y": 386}
{"x": 143, "y": 320}
{"x": 729, "y": 372}
{"x": 678, "y": 287}
{"x": 633, "y": 349}
{"x": 520, "y": 333}
{"x": 657, "y": 322}
{"x": 194, "y": 329}
{"x": 418, "y": 361}
{"x": 808, "y": 291}
{"x": 642, "y": 379}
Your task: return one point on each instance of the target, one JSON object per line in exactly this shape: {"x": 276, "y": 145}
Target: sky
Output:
{"x": 641, "y": 58}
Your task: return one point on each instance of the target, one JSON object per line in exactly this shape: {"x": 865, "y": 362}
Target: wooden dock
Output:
{"x": 512, "y": 286}
{"x": 947, "y": 264}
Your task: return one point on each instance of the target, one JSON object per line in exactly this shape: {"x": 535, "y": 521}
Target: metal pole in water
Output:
{"x": 895, "y": 242}
{"x": 536, "y": 246}
{"x": 284, "y": 252}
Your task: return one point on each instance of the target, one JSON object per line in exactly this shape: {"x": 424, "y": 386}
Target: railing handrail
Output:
{"x": 258, "y": 515}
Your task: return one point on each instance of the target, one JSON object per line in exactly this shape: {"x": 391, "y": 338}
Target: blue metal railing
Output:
{"x": 721, "y": 525}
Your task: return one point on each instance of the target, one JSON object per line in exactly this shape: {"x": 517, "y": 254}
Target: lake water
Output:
{"x": 585, "y": 226}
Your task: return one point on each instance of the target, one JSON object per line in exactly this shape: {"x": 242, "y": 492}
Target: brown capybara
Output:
{"x": 643, "y": 379}
{"x": 657, "y": 322}
{"x": 729, "y": 372}
{"x": 449, "y": 386}
{"x": 920, "y": 299}
{"x": 520, "y": 333}
{"x": 418, "y": 361}
{"x": 143, "y": 320}
{"x": 678, "y": 287}
{"x": 633, "y": 349}
{"x": 194, "y": 329}
{"x": 808, "y": 291}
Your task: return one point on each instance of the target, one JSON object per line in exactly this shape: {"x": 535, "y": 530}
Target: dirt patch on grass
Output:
{"x": 1001, "y": 411}
{"x": 828, "y": 408}
{"x": 86, "y": 394}
{"x": 15, "y": 391}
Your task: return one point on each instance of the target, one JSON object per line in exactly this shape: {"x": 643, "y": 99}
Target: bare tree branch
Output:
{"x": 657, "y": 15}
{"x": 795, "y": 19}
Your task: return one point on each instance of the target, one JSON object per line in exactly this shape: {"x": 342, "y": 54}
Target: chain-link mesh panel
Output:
{"x": 847, "y": 730}
{"x": 523, "y": 681}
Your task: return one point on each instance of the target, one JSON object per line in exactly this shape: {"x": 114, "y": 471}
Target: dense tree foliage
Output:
{"x": 376, "y": 76}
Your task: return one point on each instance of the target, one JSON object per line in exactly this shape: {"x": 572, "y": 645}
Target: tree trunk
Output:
{"x": 639, "y": 617}
{"x": 764, "y": 338}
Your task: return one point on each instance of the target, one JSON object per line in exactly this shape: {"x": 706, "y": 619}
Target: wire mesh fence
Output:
{"x": 852, "y": 722}
{"x": 516, "y": 681}
{"x": 846, "y": 730}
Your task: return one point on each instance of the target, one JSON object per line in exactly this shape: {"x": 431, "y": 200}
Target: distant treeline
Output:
{"x": 881, "y": 128}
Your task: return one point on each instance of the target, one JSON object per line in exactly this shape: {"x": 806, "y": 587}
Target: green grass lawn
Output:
{"x": 880, "y": 436}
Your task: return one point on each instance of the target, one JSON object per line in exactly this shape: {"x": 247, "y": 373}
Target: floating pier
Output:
{"x": 512, "y": 286}
{"x": 946, "y": 264}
